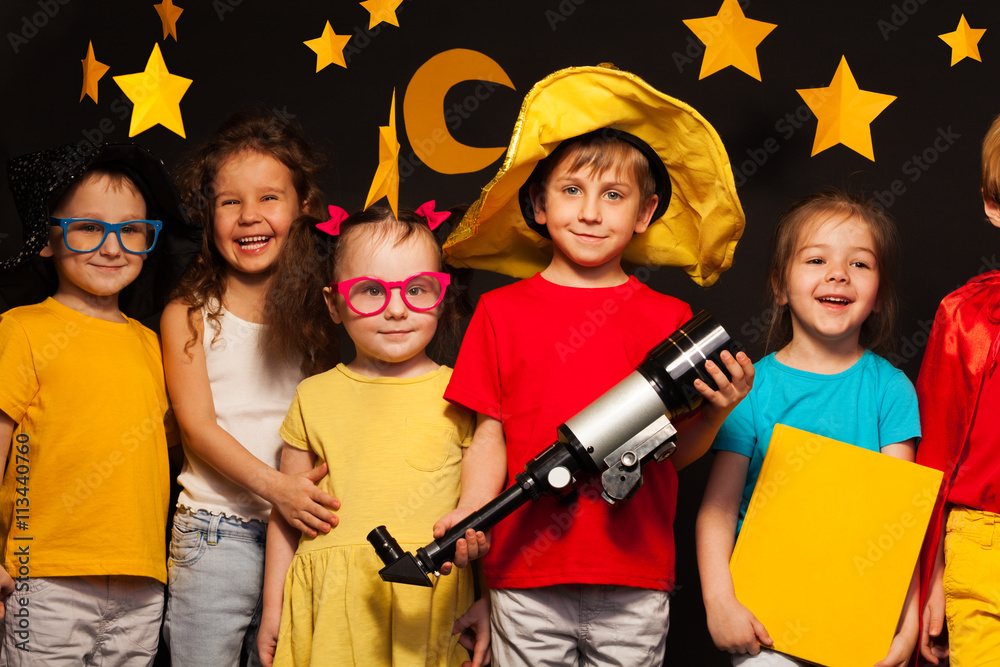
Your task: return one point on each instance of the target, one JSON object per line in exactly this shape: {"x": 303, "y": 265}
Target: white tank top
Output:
{"x": 251, "y": 394}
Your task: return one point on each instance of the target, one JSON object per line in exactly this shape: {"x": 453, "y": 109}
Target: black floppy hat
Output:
{"x": 38, "y": 180}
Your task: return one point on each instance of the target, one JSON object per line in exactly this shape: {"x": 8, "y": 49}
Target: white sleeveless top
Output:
{"x": 251, "y": 394}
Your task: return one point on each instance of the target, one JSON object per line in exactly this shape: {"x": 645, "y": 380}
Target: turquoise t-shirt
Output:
{"x": 870, "y": 405}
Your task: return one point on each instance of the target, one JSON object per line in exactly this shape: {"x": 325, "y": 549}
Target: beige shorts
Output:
{"x": 110, "y": 620}
{"x": 583, "y": 625}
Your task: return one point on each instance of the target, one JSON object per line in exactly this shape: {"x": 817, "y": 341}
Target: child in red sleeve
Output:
{"x": 571, "y": 583}
{"x": 959, "y": 393}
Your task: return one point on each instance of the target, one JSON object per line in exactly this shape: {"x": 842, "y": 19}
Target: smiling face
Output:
{"x": 254, "y": 206}
{"x": 90, "y": 282}
{"x": 832, "y": 283}
{"x": 591, "y": 216}
{"x": 393, "y": 342}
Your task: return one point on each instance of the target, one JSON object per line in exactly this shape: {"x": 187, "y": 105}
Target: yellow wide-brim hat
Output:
{"x": 702, "y": 223}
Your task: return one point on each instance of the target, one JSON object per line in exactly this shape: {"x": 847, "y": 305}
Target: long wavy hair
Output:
{"x": 878, "y": 330}
{"x": 296, "y": 331}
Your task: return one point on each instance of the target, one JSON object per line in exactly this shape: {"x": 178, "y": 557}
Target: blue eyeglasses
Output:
{"x": 86, "y": 235}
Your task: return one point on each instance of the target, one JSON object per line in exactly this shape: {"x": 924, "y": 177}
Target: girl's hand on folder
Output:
{"x": 735, "y": 629}
{"x": 899, "y": 652}
{"x": 907, "y": 632}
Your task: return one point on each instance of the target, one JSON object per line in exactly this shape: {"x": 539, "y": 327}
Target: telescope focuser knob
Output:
{"x": 559, "y": 478}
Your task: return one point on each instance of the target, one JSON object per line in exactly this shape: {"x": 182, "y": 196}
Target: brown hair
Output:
{"x": 599, "y": 152}
{"x": 295, "y": 330}
{"x": 878, "y": 330}
{"x": 991, "y": 162}
{"x": 380, "y": 223}
{"x": 118, "y": 180}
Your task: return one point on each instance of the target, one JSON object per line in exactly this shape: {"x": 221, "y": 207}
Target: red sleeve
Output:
{"x": 948, "y": 386}
{"x": 932, "y": 449}
{"x": 475, "y": 382}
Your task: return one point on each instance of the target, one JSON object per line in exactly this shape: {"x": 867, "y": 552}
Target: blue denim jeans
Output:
{"x": 214, "y": 591}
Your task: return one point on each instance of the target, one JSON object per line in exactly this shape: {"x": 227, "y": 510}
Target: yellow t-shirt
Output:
{"x": 394, "y": 449}
{"x": 86, "y": 485}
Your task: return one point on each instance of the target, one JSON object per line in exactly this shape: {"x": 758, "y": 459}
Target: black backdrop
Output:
{"x": 241, "y": 53}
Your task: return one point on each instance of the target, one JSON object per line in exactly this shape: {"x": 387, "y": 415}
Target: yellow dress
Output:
{"x": 394, "y": 448}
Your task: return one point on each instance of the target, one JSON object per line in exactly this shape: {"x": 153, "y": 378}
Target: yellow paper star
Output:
{"x": 169, "y": 13}
{"x": 844, "y": 112}
{"x": 964, "y": 42}
{"x": 93, "y": 70}
{"x": 382, "y": 11}
{"x": 329, "y": 48}
{"x": 156, "y": 95}
{"x": 386, "y": 181}
{"x": 730, "y": 38}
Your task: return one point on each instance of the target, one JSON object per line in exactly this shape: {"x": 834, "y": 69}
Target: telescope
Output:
{"x": 621, "y": 431}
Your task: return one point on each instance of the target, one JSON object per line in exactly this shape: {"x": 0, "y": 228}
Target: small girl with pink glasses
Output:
{"x": 394, "y": 448}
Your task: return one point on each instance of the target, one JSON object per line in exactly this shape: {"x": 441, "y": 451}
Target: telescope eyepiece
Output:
{"x": 386, "y": 546}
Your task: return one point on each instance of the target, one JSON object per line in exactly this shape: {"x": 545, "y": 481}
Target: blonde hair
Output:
{"x": 991, "y": 163}
{"x": 599, "y": 152}
{"x": 381, "y": 224}
{"x": 878, "y": 330}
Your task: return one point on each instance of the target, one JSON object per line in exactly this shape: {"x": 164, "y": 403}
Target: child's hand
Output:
{"x": 718, "y": 404}
{"x": 908, "y": 631}
{"x": 469, "y": 548}
{"x": 266, "y": 646}
{"x": 303, "y": 504}
{"x": 473, "y": 630}
{"x": 933, "y": 647}
{"x": 6, "y": 588}
{"x": 899, "y": 651}
{"x": 267, "y": 640}
{"x": 735, "y": 629}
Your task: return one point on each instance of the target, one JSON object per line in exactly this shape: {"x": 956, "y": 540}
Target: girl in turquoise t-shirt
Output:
{"x": 830, "y": 287}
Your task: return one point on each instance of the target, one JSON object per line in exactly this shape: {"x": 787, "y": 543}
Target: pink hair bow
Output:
{"x": 433, "y": 218}
{"x": 332, "y": 226}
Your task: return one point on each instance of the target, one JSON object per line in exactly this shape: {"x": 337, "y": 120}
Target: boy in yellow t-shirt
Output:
{"x": 85, "y": 490}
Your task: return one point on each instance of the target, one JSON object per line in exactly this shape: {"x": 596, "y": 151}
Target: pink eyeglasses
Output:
{"x": 370, "y": 296}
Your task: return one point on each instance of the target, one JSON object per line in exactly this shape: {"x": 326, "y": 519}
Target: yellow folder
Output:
{"x": 829, "y": 544}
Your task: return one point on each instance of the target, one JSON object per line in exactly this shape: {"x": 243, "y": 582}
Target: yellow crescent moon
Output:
{"x": 424, "y": 112}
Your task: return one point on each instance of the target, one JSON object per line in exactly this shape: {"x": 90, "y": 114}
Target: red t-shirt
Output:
{"x": 977, "y": 480}
{"x": 535, "y": 354}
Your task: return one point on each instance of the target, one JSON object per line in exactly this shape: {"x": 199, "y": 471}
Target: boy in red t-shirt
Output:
{"x": 570, "y": 582}
{"x": 959, "y": 393}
